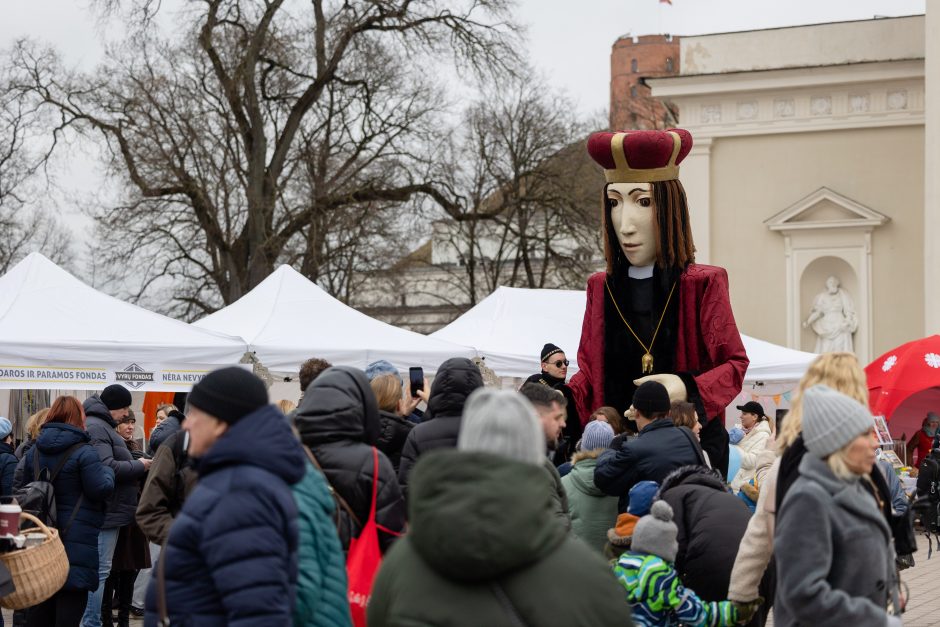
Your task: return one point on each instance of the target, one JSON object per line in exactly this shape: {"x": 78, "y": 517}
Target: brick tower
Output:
{"x": 634, "y": 58}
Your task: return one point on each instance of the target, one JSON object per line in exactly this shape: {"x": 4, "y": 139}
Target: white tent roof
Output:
{"x": 510, "y": 326}
{"x": 288, "y": 319}
{"x": 53, "y": 324}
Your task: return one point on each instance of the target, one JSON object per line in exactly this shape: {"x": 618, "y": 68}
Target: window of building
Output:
{"x": 669, "y": 64}
{"x": 633, "y": 65}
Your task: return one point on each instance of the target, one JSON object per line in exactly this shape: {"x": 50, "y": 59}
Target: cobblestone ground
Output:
{"x": 923, "y": 582}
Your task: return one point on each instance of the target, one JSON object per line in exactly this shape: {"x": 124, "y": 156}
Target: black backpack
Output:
{"x": 38, "y": 496}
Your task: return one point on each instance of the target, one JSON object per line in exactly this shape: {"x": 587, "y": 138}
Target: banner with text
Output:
{"x": 135, "y": 376}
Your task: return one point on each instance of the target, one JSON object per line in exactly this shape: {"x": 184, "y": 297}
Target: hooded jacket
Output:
{"x": 750, "y": 448}
{"x": 114, "y": 453}
{"x": 839, "y": 566}
{"x": 456, "y": 379}
{"x": 8, "y": 462}
{"x": 338, "y": 419}
{"x": 592, "y": 512}
{"x": 481, "y": 549}
{"x": 711, "y": 522}
{"x": 232, "y": 553}
{"x": 82, "y": 476}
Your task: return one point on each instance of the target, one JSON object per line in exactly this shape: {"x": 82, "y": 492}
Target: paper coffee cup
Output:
{"x": 10, "y": 519}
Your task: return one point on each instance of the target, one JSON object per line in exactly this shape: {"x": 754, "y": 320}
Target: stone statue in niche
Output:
{"x": 833, "y": 319}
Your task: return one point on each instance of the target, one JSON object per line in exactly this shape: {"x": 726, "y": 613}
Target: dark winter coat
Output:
{"x": 24, "y": 446}
{"x": 83, "y": 474}
{"x": 114, "y": 453}
{"x": 393, "y": 432}
{"x": 711, "y": 523}
{"x": 660, "y": 448}
{"x": 168, "y": 484}
{"x": 8, "y": 462}
{"x": 338, "y": 419}
{"x": 173, "y": 423}
{"x": 456, "y": 379}
{"x": 481, "y": 531}
{"x": 838, "y": 567}
{"x": 231, "y": 558}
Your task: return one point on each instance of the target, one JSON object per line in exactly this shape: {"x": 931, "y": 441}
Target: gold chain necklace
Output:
{"x": 647, "y": 360}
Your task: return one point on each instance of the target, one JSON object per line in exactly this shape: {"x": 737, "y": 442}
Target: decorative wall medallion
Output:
{"x": 711, "y": 114}
{"x": 820, "y": 105}
{"x": 897, "y": 99}
{"x": 859, "y": 103}
{"x": 747, "y": 110}
{"x": 784, "y": 108}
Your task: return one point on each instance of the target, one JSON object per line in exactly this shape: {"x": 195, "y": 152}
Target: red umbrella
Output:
{"x": 901, "y": 372}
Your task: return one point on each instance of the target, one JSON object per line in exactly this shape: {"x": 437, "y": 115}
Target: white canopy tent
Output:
{"x": 510, "y": 326}
{"x": 288, "y": 319}
{"x": 57, "y": 332}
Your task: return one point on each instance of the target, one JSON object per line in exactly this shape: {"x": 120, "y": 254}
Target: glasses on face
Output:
{"x": 559, "y": 363}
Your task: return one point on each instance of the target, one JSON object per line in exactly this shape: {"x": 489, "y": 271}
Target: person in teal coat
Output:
{"x": 592, "y": 511}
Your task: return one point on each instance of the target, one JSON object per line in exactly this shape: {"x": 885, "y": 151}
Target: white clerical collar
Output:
{"x": 640, "y": 272}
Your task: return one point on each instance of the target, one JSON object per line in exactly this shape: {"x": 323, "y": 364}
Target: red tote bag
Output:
{"x": 364, "y": 557}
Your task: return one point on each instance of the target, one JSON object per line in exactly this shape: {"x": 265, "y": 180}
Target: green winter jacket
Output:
{"x": 321, "y": 575}
{"x": 483, "y": 546}
{"x": 592, "y": 511}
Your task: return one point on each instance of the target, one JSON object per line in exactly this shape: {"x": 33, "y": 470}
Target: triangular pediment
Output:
{"x": 825, "y": 209}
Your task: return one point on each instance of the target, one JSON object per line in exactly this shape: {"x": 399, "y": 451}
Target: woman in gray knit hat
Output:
{"x": 835, "y": 558}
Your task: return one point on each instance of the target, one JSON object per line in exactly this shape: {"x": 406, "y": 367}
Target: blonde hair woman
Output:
{"x": 33, "y": 425}
{"x": 394, "y": 426}
{"x": 841, "y": 372}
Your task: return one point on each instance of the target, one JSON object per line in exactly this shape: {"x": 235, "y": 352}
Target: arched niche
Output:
{"x": 813, "y": 281}
{"x": 827, "y": 232}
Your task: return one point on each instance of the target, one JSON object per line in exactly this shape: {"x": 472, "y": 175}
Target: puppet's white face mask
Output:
{"x": 631, "y": 216}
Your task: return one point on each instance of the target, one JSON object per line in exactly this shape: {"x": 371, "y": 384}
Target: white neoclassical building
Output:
{"x": 817, "y": 154}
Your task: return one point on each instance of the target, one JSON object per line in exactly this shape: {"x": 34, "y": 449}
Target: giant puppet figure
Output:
{"x": 655, "y": 314}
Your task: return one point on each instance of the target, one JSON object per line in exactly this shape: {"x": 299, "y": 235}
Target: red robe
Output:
{"x": 708, "y": 344}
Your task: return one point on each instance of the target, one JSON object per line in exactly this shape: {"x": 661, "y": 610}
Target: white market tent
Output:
{"x": 288, "y": 319}
{"x": 510, "y": 326}
{"x": 57, "y": 332}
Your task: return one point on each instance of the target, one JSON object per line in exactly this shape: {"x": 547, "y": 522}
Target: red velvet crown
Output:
{"x": 640, "y": 156}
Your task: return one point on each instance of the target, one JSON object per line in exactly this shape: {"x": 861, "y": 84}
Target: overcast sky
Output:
{"x": 568, "y": 41}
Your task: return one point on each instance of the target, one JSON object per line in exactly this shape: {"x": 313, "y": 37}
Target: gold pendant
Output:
{"x": 647, "y": 362}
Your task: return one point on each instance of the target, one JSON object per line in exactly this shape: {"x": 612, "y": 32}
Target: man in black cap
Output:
{"x": 554, "y": 367}
{"x": 231, "y": 554}
{"x": 103, "y": 412}
{"x": 660, "y": 448}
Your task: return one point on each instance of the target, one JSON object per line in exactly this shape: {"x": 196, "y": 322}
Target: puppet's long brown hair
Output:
{"x": 676, "y": 248}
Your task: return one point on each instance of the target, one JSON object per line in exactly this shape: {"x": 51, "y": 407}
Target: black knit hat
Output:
{"x": 116, "y": 396}
{"x": 229, "y": 394}
{"x": 651, "y": 398}
{"x": 548, "y": 350}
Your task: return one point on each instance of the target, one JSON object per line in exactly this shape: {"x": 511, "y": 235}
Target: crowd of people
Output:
{"x": 487, "y": 507}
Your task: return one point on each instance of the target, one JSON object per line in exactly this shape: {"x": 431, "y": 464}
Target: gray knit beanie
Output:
{"x": 656, "y": 534}
{"x": 597, "y": 435}
{"x": 502, "y": 422}
{"x": 831, "y": 420}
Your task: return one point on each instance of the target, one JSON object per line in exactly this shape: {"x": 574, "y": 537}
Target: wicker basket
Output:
{"x": 38, "y": 571}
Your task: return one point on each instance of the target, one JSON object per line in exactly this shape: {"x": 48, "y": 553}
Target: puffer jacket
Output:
{"x": 839, "y": 567}
{"x": 592, "y": 512}
{"x": 393, "y": 432}
{"x": 173, "y": 423}
{"x": 322, "y": 599}
{"x": 8, "y": 462}
{"x": 711, "y": 522}
{"x": 456, "y": 379}
{"x": 338, "y": 419}
{"x": 751, "y": 446}
{"x": 481, "y": 550}
{"x": 83, "y": 476}
{"x": 114, "y": 453}
{"x": 231, "y": 557}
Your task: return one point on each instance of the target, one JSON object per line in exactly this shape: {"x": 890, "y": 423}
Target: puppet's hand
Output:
{"x": 671, "y": 382}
